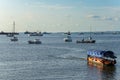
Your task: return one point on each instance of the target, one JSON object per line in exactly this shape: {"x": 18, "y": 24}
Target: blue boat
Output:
{"x": 101, "y": 57}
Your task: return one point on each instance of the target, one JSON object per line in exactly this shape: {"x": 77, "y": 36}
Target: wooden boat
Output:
{"x": 104, "y": 58}
{"x": 68, "y": 39}
{"x": 36, "y": 41}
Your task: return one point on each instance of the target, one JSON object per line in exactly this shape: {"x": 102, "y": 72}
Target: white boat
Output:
{"x": 36, "y": 41}
{"x": 68, "y": 39}
{"x": 14, "y": 38}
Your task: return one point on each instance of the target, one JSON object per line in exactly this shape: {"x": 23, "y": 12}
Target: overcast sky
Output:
{"x": 60, "y": 15}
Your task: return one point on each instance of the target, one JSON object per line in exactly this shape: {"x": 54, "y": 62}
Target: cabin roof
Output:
{"x": 101, "y": 53}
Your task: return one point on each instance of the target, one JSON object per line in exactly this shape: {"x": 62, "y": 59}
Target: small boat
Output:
{"x": 90, "y": 40}
{"x": 14, "y": 39}
{"x": 36, "y": 34}
{"x": 104, "y": 58}
{"x": 85, "y": 41}
{"x": 36, "y": 41}
{"x": 68, "y": 33}
{"x": 68, "y": 39}
{"x": 10, "y": 35}
{"x": 27, "y": 32}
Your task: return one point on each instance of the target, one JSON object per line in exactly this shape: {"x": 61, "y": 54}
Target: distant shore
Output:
{"x": 6, "y": 33}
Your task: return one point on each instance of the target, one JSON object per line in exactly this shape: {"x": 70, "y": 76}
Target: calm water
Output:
{"x": 54, "y": 59}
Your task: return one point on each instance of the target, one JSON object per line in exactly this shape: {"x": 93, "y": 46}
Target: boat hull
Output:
{"x": 86, "y": 41}
{"x": 67, "y": 40}
{"x": 14, "y": 39}
{"x": 33, "y": 42}
{"x": 102, "y": 62}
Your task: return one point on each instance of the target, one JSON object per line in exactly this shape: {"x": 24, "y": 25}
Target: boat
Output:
{"x": 68, "y": 39}
{"x": 27, "y": 32}
{"x": 36, "y": 41}
{"x": 101, "y": 57}
{"x": 14, "y": 38}
{"x": 68, "y": 33}
{"x": 90, "y": 40}
{"x": 10, "y": 35}
{"x": 36, "y": 34}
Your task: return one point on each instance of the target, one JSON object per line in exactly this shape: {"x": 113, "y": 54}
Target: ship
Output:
{"x": 36, "y": 41}
{"x": 101, "y": 57}
{"x": 68, "y": 39}
{"x": 90, "y": 40}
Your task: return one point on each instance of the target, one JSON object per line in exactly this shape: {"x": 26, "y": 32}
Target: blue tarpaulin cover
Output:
{"x": 101, "y": 53}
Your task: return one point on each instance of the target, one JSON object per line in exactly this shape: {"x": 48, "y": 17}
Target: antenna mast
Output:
{"x": 13, "y": 26}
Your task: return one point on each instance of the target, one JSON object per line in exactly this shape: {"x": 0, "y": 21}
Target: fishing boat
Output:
{"x": 14, "y": 38}
{"x": 68, "y": 39}
{"x": 90, "y": 40}
{"x": 10, "y": 35}
{"x": 36, "y": 41}
{"x": 68, "y": 33}
{"x": 100, "y": 57}
{"x": 36, "y": 34}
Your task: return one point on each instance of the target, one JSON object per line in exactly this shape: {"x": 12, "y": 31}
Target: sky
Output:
{"x": 60, "y": 15}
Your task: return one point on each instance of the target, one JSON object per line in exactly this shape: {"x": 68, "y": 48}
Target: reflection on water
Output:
{"x": 101, "y": 72}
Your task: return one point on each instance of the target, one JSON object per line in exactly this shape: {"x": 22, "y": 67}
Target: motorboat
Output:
{"x": 101, "y": 57}
{"x": 90, "y": 40}
{"x": 68, "y": 33}
{"x": 36, "y": 41}
{"x": 14, "y": 39}
{"x": 68, "y": 39}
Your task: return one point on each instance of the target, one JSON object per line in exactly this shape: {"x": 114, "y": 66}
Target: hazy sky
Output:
{"x": 60, "y": 15}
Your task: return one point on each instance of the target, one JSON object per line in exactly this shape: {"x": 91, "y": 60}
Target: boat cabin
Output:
{"x": 101, "y": 57}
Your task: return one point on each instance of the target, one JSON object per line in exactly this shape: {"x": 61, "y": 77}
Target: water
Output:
{"x": 54, "y": 59}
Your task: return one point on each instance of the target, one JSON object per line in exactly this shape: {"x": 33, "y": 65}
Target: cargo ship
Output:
{"x": 100, "y": 57}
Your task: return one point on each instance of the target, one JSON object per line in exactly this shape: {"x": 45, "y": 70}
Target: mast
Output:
{"x": 14, "y": 27}
{"x": 90, "y": 33}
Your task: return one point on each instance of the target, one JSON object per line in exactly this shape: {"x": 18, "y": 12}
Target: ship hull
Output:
{"x": 102, "y": 62}
{"x": 87, "y": 41}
